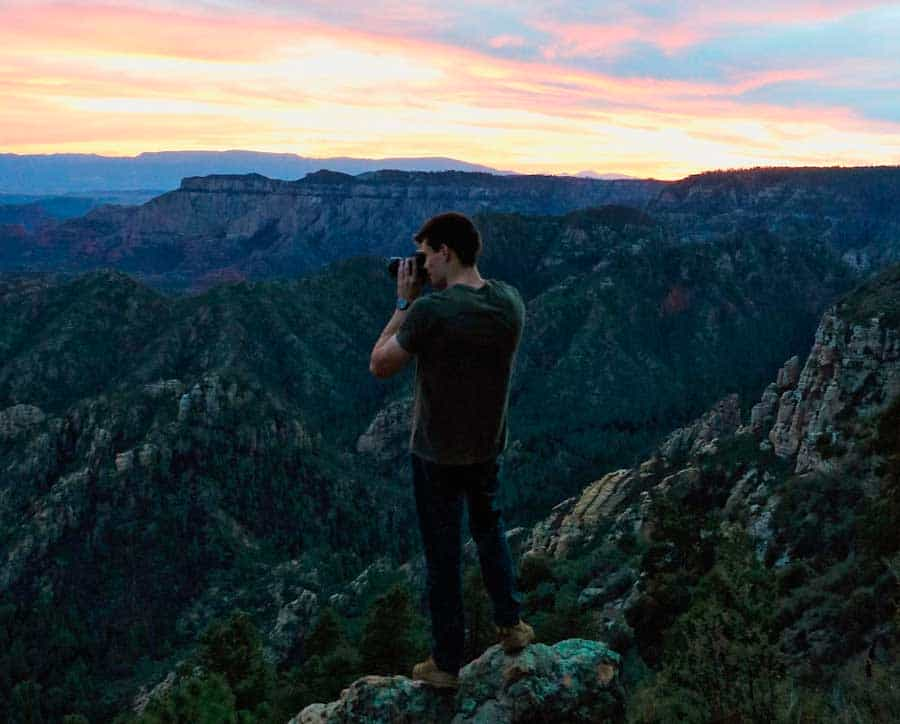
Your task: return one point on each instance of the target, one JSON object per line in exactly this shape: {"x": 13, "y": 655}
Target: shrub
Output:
{"x": 566, "y": 620}
{"x": 393, "y": 635}
{"x": 196, "y": 700}
{"x": 534, "y": 569}
{"x": 233, "y": 648}
{"x": 721, "y": 659}
{"x": 326, "y": 635}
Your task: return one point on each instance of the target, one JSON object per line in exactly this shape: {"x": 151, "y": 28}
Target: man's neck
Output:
{"x": 467, "y": 276}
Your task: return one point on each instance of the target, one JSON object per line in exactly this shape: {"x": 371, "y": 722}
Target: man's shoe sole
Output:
{"x": 441, "y": 681}
{"x": 511, "y": 647}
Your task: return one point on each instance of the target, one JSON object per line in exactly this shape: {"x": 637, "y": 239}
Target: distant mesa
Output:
{"x": 324, "y": 176}
{"x": 603, "y": 176}
{"x": 81, "y": 173}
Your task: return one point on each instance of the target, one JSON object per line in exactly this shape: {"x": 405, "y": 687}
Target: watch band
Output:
{"x": 402, "y": 303}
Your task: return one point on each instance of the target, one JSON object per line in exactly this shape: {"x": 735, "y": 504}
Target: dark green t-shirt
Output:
{"x": 465, "y": 342}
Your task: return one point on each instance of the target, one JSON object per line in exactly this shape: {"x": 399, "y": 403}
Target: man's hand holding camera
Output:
{"x": 388, "y": 357}
{"x": 409, "y": 283}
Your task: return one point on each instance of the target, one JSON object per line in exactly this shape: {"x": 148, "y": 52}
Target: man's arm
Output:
{"x": 388, "y": 357}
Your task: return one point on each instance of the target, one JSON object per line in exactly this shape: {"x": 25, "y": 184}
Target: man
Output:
{"x": 464, "y": 337}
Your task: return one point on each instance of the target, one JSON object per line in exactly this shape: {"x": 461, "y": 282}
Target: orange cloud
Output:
{"x": 123, "y": 80}
{"x": 142, "y": 31}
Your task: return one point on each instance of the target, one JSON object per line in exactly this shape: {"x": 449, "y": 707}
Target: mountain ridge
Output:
{"x": 250, "y": 226}
{"x": 68, "y": 172}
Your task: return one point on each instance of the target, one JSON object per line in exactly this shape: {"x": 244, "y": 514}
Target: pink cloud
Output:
{"x": 506, "y": 41}
{"x": 571, "y": 40}
{"x": 103, "y": 28}
{"x": 506, "y": 83}
{"x": 69, "y": 73}
{"x": 191, "y": 34}
{"x": 694, "y": 24}
{"x": 780, "y": 13}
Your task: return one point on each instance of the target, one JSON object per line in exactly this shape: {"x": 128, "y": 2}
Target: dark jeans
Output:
{"x": 440, "y": 490}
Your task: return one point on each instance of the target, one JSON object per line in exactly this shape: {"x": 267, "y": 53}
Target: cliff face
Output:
{"x": 220, "y": 228}
{"x": 623, "y": 495}
{"x": 855, "y": 211}
{"x": 850, "y": 376}
{"x": 234, "y": 227}
{"x": 818, "y": 419}
{"x": 808, "y": 480}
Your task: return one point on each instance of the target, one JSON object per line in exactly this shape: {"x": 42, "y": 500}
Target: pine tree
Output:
{"x": 326, "y": 635}
{"x": 196, "y": 700}
{"x": 25, "y": 705}
{"x": 234, "y": 649}
{"x": 393, "y": 637}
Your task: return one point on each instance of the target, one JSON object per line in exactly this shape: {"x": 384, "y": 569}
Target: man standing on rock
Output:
{"x": 464, "y": 337}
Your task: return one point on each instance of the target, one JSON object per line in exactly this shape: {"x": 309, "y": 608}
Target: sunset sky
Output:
{"x": 658, "y": 89}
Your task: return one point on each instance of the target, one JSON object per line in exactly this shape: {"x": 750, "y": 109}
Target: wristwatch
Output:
{"x": 402, "y": 303}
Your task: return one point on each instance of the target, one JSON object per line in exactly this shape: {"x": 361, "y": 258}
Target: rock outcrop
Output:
{"x": 19, "y": 418}
{"x": 575, "y": 521}
{"x": 722, "y": 419}
{"x": 853, "y": 371}
{"x": 55, "y": 513}
{"x": 387, "y": 436}
{"x": 813, "y": 416}
{"x": 621, "y": 495}
{"x": 572, "y": 681}
{"x": 853, "y": 210}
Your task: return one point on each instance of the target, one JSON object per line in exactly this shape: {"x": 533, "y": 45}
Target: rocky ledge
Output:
{"x": 573, "y": 681}
{"x": 851, "y": 375}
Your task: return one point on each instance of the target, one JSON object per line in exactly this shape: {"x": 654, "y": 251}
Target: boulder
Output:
{"x": 572, "y": 681}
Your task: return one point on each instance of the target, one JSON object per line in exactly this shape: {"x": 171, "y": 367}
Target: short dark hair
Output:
{"x": 457, "y": 231}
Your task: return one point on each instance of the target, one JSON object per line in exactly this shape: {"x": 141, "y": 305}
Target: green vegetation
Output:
{"x": 234, "y": 682}
{"x": 879, "y": 296}
{"x": 656, "y": 334}
{"x": 628, "y": 335}
{"x": 217, "y": 491}
{"x": 722, "y": 661}
{"x": 810, "y": 633}
{"x": 880, "y": 521}
{"x": 391, "y": 642}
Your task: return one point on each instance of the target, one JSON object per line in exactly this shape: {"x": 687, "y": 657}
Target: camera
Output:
{"x": 418, "y": 257}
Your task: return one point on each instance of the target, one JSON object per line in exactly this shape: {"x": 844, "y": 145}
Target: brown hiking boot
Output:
{"x": 514, "y": 638}
{"x": 428, "y": 673}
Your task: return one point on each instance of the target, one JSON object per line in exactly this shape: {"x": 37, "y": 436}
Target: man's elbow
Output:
{"x": 388, "y": 359}
{"x": 378, "y": 368}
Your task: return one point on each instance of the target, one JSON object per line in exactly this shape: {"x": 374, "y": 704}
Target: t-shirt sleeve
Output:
{"x": 517, "y": 308}
{"x": 520, "y": 307}
{"x": 413, "y": 333}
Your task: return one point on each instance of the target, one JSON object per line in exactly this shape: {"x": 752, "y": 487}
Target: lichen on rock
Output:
{"x": 575, "y": 680}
